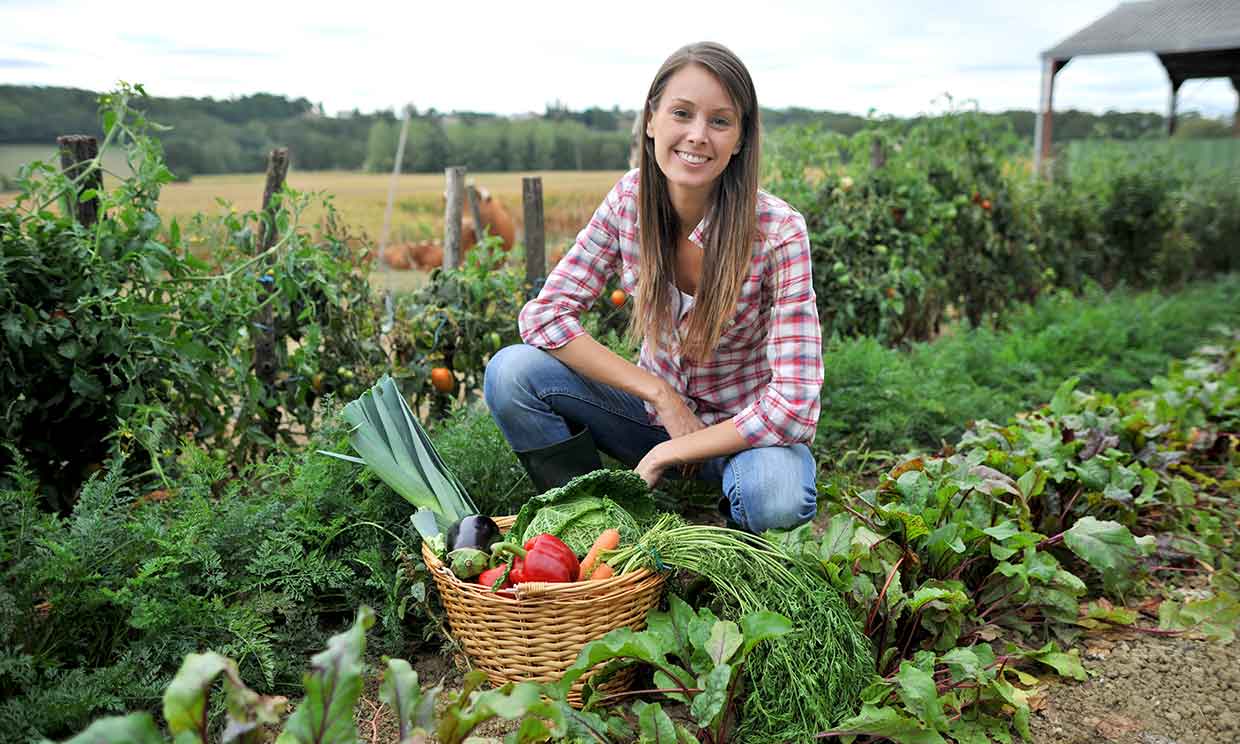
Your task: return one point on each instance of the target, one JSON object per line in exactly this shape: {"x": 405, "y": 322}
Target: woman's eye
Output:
{"x": 719, "y": 121}
{"x": 680, "y": 113}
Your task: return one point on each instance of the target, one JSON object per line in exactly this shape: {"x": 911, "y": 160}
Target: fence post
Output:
{"x": 455, "y": 193}
{"x": 264, "y": 319}
{"x": 535, "y": 236}
{"x": 476, "y": 211}
{"x": 878, "y": 156}
{"x": 76, "y": 150}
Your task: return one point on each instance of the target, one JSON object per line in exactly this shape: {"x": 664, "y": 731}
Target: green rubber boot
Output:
{"x": 553, "y": 466}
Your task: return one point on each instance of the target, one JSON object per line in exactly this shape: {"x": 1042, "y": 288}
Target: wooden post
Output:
{"x": 535, "y": 236}
{"x": 1235, "y": 122}
{"x": 1045, "y": 114}
{"x": 476, "y": 210}
{"x": 264, "y": 321}
{"x": 637, "y": 138}
{"x": 387, "y": 212}
{"x": 76, "y": 150}
{"x": 1172, "y": 105}
{"x": 878, "y": 157}
{"x": 455, "y": 193}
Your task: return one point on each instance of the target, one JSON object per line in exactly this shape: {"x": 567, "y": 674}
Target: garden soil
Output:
{"x": 1146, "y": 690}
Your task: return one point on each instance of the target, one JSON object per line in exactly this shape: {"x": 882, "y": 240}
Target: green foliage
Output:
{"x": 457, "y": 320}
{"x": 99, "y": 606}
{"x": 699, "y": 661}
{"x": 120, "y": 335}
{"x": 473, "y": 446}
{"x": 325, "y": 715}
{"x": 911, "y": 224}
{"x": 893, "y": 401}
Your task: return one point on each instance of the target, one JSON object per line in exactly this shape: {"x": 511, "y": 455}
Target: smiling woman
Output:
{"x": 726, "y": 388}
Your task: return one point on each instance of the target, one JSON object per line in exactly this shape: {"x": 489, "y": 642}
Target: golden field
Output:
{"x": 569, "y": 198}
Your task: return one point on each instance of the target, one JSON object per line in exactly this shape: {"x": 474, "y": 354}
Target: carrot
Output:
{"x": 606, "y": 541}
{"x": 603, "y": 571}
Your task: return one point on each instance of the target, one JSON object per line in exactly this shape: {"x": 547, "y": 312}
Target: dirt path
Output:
{"x": 1147, "y": 690}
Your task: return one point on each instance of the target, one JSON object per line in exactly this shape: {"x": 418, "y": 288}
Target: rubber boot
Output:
{"x": 725, "y": 510}
{"x": 553, "y": 466}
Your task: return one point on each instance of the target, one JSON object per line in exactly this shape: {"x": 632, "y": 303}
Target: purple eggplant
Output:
{"x": 476, "y": 531}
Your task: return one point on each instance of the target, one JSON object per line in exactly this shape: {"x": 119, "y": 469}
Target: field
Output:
{"x": 569, "y": 197}
{"x": 13, "y": 157}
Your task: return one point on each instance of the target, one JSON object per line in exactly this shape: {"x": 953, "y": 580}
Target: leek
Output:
{"x": 392, "y": 443}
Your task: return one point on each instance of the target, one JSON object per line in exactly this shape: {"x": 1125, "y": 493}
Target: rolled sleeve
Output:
{"x": 787, "y": 410}
{"x": 550, "y": 320}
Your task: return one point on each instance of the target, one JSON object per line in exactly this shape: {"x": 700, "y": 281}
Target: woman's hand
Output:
{"x": 652, "y": 465}
{"x": 674, "y": 415}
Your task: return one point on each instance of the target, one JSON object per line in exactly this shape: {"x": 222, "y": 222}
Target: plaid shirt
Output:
{"x": 766, "y": 372}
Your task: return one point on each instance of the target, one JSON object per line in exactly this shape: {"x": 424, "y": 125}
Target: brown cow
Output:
{"x": 428, "y": 254}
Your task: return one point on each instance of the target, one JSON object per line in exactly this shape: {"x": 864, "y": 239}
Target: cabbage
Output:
{"x": 585, "y": 506}
{"x": 579, "y": 522}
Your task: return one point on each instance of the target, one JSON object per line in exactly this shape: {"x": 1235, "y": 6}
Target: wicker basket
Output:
{"x": 535, "y": 631}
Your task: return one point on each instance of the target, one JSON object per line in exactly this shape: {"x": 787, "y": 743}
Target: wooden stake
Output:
{"x": 76, "y": 151}
{"x": 455, "y": 193}
{"x": 387, "y": 212}
{"x": 535, "y": 237}
{"x": 264, "y": 321}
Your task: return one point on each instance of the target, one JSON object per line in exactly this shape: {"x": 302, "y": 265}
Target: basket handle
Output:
{"x": 536, "y": 589}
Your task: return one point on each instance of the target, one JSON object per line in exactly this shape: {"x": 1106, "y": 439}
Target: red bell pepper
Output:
{"x": 488, "y": 577}
{"x": 543, "y": 558}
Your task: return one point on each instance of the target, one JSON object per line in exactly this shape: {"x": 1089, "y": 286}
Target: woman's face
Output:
{"x": 696, "y": 130}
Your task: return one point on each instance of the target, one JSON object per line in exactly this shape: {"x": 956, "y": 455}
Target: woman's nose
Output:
{"x": 697, "y": 131}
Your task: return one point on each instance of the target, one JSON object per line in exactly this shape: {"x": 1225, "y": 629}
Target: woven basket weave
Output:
{"x": 535, "y": 631}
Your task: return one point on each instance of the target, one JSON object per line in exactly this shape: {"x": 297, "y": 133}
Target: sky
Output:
{"x": 897, "y": 57}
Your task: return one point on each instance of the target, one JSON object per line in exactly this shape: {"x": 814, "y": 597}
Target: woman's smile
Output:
{"x": 696, "y": 130}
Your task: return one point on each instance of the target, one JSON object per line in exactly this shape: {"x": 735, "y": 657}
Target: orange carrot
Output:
{"x": 603, "y": 571}
{"x": 606, "y": 541}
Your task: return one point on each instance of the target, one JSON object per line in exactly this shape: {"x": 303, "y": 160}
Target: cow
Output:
{"x": 428, "y": 254}
{"x": 495, "y": 218}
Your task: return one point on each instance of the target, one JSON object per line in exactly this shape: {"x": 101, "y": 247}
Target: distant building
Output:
{"x": 1191, "y": 38}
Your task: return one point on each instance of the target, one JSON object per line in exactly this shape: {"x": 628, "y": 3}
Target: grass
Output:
{"x": 882, "y": 399}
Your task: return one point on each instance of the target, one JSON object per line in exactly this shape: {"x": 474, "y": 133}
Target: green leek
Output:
{"x": 392, "y": 443}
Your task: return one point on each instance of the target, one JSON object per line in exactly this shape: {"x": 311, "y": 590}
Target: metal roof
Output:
{"x": 1159, "y": 26}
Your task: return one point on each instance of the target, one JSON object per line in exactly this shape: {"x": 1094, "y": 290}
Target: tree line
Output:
{"x": 234, "y": 135}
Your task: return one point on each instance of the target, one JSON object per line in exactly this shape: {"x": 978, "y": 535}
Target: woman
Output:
{"x": 730, "y": 367}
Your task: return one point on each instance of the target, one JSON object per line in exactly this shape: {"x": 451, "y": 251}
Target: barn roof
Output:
{"x": 1159, "y": 26}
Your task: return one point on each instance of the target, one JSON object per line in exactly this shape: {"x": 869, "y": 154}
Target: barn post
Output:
{"x": 264, "y": 319}
{"x": 476, "y": 211}
{"x": 1173, "y": 102}
{"x": 1045, "y": 114}
{"x": 1235, "y": 122}
{"x": 535, "y": 234}
{"x": 455, "y": 194}
{"x": 76, "y": 152}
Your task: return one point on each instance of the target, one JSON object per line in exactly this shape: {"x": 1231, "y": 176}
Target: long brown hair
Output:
{"x": 728, "y": 240}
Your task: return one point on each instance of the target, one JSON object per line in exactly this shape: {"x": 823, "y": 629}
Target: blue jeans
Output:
{"x": 537, "y": 401}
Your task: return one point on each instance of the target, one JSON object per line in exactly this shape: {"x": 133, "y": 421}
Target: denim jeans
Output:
{"x": 537, "y": 401}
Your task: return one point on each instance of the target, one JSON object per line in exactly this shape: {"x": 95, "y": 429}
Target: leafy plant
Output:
{"x": 325, "y": 714}
{"x": 698, "y": 659}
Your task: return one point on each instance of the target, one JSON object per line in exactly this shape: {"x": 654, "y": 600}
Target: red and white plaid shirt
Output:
{"x": 766, "y": 372}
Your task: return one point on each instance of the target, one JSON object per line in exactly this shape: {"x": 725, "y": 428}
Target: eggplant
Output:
{"x": 476, "y": 531}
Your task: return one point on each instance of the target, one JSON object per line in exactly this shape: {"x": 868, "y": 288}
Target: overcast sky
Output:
{"x": 895, "y": 56}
